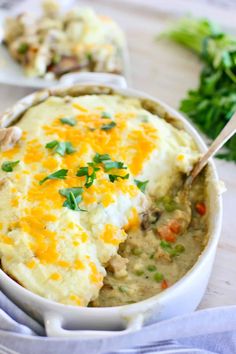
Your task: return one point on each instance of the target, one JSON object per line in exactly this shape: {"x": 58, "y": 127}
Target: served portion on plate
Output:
{"x": 57, "y": 43}
{"x": 91, "y": 213}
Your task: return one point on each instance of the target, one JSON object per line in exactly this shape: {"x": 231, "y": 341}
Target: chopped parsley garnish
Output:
{"x": 212, "y": 104}
{"x": 99, "y": 158}
{"x": 108, "y": 126}
{"x": 141, "y": 185}
{"x": 60, "y": 148}
{"x": 90, "y": 176}
{"x": 114, "y": 178}
{"x": 109, "y": 165}
{"x": 173, "y": 251}
{"x": 60, "y": 174}
{"x": 106, "y": 115}
{"x": 23, "y": 48}
{"x": 8, "y": 166}
{"x": 73, "y": 197}
{"x": 68, "y": 121}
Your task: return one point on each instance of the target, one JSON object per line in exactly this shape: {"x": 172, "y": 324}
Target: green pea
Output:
{"x": 56, "y": 58}
{"x": 168, "y": 203}
{"x": 23, "y": 48}
{"x": 136, "y": 251}
{"x": 151, "y": 268}
{"x": 139, "y": 272}
{"x": 180, "y": 248}
{"x": 158, "y": 277}
{"x": 170, "y": 206}
{"x": 123, "y": 289}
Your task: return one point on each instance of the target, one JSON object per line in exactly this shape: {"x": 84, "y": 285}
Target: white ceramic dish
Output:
{"x": 181, "y": 298}
{"x": 11, "y": 72}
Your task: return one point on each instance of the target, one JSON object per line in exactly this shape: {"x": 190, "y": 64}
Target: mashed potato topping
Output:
{"x": 73, "y": 187}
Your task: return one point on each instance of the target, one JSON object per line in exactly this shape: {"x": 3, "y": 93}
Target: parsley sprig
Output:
{"x": 114, "y": 178}
{"x": 68, "y": 121}
{"x": 73, "y": 198}
{"x": 141, "y": 184}
{"x": 8, "y": 166}
{"x": 109, "y": 165}
{"x": 108, "y": 126}
{"x": 212, "y": 104}
{"x": 89, "y": 172}
{"x": 60, "y": 174}
{"x": 99, "y": 158}
{"x": 60, "y": 148}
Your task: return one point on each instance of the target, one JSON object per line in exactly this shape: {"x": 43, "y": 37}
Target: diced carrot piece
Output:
{"x": 175, "y": 226}
{"x": 164, "y": 284}
{"x": 170, "y": 237}
{"x": 201, "y": 208}
{"x": 166, "y": 234}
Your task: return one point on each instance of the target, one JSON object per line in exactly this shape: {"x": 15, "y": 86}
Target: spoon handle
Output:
{"x": 228, "y": 131}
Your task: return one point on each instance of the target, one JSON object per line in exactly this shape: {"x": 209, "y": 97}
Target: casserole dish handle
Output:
{"x": 54, "y": 328}
{"x": 94, "y": 78}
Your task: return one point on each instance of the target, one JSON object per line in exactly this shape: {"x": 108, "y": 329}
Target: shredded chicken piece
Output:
{"x": 117, "y": 265}
{"x": 9, "y": 137}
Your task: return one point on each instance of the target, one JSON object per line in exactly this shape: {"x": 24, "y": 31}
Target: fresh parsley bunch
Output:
{"x": 213, "y": 103}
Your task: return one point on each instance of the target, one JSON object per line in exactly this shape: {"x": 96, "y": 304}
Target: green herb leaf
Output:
{"x": 114, "y": 178}
{"x": 106, "y": 115}
{"x": 8, "y": 166}
{"x": 52, "y": 144}
{"x": 60, "y": 174}
{"x": 211, "y": 105}
{"x": 23, "y": 48}
{"x": 68, "y": 121}
{"x": 109, "y": 165}
{"x": 141, "y": 185}
{"x": 108, "y": 126}
{"x": 60, "y": 148}
{"x": 73, "y": 197}
{"x": 99, "y": 158}
{"x": 90, "y": 177}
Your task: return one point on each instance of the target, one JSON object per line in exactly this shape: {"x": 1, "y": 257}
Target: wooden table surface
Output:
{"x": 167, "y": 71}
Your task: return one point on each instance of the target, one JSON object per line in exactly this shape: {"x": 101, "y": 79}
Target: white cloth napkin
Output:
{"x": 205, "y": 331}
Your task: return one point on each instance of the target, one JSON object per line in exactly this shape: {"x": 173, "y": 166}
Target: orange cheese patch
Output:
{"x": 6, "y": 239}
{"x": 55, "y": 276}
{"x": 143, "y": 142}
{"x": 34, "y": 152}
{"x": 134, "y": 221}
{"x": 113, "y": 235}
{"x": 95, "y": 276}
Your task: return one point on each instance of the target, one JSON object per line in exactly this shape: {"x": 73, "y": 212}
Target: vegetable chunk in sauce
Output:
{"x": 157, "y": 255}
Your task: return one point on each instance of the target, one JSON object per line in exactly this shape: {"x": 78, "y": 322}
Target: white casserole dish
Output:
{"x": 181, "y": 298}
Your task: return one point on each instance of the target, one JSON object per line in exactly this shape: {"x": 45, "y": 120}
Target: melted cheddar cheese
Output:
{"x": 61, "y": 253}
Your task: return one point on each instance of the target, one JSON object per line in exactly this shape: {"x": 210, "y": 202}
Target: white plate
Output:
{"x": 11, "y": 72}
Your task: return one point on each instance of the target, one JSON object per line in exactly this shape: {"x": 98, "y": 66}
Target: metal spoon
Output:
{"x": 228, "y": 131}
